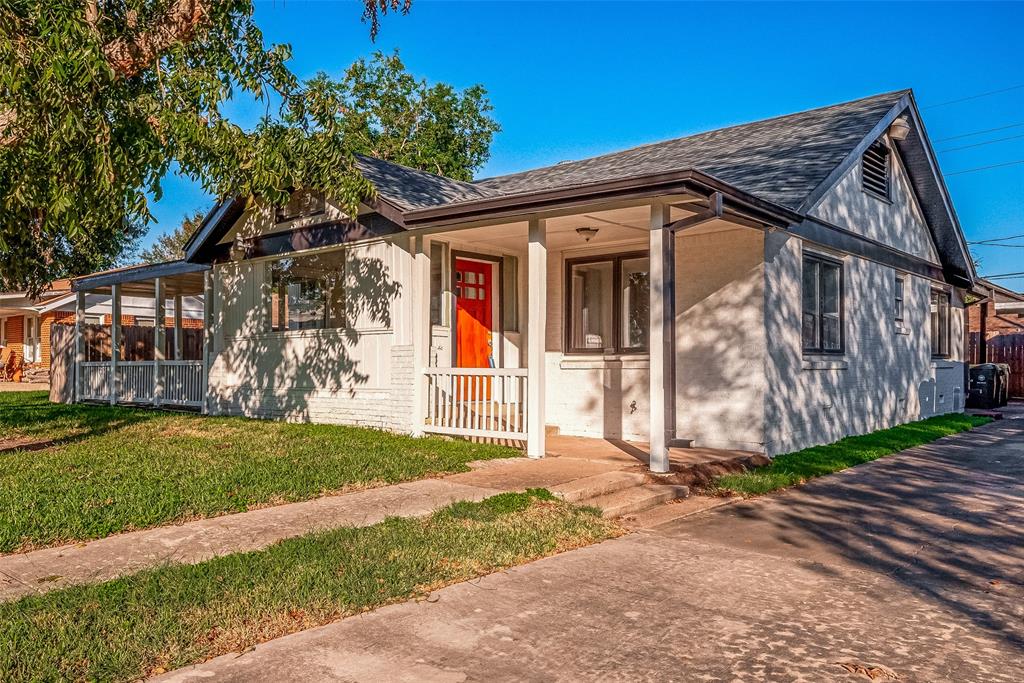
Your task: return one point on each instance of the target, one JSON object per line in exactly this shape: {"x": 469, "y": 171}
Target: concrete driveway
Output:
{"x": 911, "y": 566}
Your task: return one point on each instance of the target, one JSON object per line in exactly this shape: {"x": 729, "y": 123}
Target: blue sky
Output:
{"x": 574, "y": 79}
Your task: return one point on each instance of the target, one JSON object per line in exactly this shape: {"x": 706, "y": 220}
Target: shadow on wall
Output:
{"x": 886, "y": 375}
{"x": 276, "y": 353}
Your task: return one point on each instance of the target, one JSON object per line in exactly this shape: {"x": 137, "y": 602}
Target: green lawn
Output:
{"x": 110, "y": 470}
{"x": 795, "y": 468}
{"x": 176, "y": 615}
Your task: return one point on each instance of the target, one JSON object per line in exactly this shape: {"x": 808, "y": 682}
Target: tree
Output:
{"x": 170, "y": 246}
{"x": 390, "y": 115}
{"x": 384, "y": 112}
{"x": 99, "y": 97}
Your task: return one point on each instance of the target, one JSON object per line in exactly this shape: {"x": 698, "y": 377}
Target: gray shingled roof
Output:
{"x": 412, "y": 189}
{"x": 780, "y": 160}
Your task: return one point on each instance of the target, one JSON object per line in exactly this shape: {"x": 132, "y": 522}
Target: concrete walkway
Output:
{"x": 49, "y": 569}
{"x": 41, "y": 571}
{"x": 912, "y": 565}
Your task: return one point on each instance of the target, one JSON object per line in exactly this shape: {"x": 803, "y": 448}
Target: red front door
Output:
{"x": 474, "y": 306}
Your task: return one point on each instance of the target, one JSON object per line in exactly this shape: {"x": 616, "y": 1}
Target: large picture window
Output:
{"x": 307, "y": 292}
{"x": 822, "y": 328}
{"x": 608, "y": 304}
{"x": 940, "y": 326}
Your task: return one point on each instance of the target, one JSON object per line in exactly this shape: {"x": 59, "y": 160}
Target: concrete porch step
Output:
{"x": 636, "y": 499}
{"x": 597, "y": 485}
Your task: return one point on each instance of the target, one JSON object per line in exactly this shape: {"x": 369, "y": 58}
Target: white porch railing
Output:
{"x": 95, "y": 380}
{"x": 182, "y": 382}
{"x": 136, "y": 381}
{"x": 484, "y": 402}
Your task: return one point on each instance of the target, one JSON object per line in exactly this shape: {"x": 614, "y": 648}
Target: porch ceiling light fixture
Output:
{"x": 899, "y": 129}
{"x": 586, "y": 233}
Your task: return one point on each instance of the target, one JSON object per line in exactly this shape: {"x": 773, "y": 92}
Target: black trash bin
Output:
{"x": 987, "y": 385}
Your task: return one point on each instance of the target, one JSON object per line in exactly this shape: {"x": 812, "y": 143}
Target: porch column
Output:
{"x": 208, "y": 293}
{"x": 661, "y": 336}
{"x": 115, "y": 342}
{"x": 179, "y": 336}
{"x": 159, "y": 340}
{"x": 421, "y": 330}
{"x": 982, "y": 334}
{"x": 537, "y": 293}
{"x": 79, "y": 344}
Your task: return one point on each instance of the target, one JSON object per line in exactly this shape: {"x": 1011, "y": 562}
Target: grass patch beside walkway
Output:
{"x": 170, "y": 617}
{"x": 795, "y": 468}
{"x": 79, "y": 472}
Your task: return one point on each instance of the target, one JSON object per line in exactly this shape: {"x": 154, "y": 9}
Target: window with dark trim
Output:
{"x": 874, "y": 166}
{"x": 897, "y": 313}
{"x": 822, "y": 323}
{"x": 607, "y": 304}
{"x": 306, "y": 292}
{"x": 940, "y": 324}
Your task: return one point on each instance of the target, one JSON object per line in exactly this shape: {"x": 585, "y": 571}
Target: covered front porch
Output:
{"x": 583, "y": 335}
{"x": 150, "y": 359}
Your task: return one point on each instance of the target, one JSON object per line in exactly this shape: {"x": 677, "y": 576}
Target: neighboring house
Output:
{"x": 26, "y": 324}
{"x": 996, "y": 330}
{"x": 766, "y": 286}
{"x": 997, "y": 311}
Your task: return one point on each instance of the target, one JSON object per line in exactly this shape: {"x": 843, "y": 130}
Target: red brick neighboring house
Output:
{"x": 995, "y": 324}
{"x": 26, "y": 324}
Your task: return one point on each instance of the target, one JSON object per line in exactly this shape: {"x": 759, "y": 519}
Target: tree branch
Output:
{"x": 129, "y": 56}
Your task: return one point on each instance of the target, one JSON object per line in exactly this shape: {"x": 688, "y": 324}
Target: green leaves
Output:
{"x": 387, "y": 113}
{"x": 94, "y": 111}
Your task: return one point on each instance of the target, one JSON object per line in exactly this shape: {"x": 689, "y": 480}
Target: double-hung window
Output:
{"x": 940, "y": 326}
{"x": 608, "y": 304}
{"x": 822, "y": 328}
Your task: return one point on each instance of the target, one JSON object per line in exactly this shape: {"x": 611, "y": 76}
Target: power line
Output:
{"x": 997, "y": 239}
{"x": 1004, "y": 276}
{"x": 984, "y": 168}
{"x": 974, "y": 97}
{"x": 982, "y": 144}
{"x": 979, "y": 132}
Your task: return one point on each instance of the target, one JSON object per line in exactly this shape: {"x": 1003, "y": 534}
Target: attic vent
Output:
{"x": 875, "y": 170}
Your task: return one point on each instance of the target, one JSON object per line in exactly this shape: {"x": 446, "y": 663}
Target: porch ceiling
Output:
{"x": 614, "y": 226}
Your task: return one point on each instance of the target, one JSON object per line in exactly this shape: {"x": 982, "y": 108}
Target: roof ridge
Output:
{"x": 645, "y": 145}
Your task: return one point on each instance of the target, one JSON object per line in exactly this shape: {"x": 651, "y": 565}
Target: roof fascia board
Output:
{"x": 943, "y": 190}
{"x": 57, "y": 303}
{"x": 213, "y": 227}
{"x": 136, "y": 274}
{"x": 832, "y": 236}
{"x": 388, "y": 209}
{"x": 855, "y": 154}
{"x": 512, "y": 208}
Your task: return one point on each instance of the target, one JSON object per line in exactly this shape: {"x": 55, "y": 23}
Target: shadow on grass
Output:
{"x": 42, "y": 424}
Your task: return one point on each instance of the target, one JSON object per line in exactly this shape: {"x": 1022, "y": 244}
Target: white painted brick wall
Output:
{"x": 887, "y": 375}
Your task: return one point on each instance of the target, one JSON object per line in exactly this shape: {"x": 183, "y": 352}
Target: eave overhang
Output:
{"x": 513, "y": 206}
{"x": 131, "y": 274}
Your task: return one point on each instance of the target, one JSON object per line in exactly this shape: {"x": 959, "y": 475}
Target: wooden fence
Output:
{"x": 1005, "y": 348}
{"x": 137, "y": 343}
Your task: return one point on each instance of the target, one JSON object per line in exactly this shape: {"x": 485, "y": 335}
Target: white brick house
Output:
{"x": 767, "y": 286}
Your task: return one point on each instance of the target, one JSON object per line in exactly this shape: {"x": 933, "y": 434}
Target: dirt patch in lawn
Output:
{"x": 24, "y": 443}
